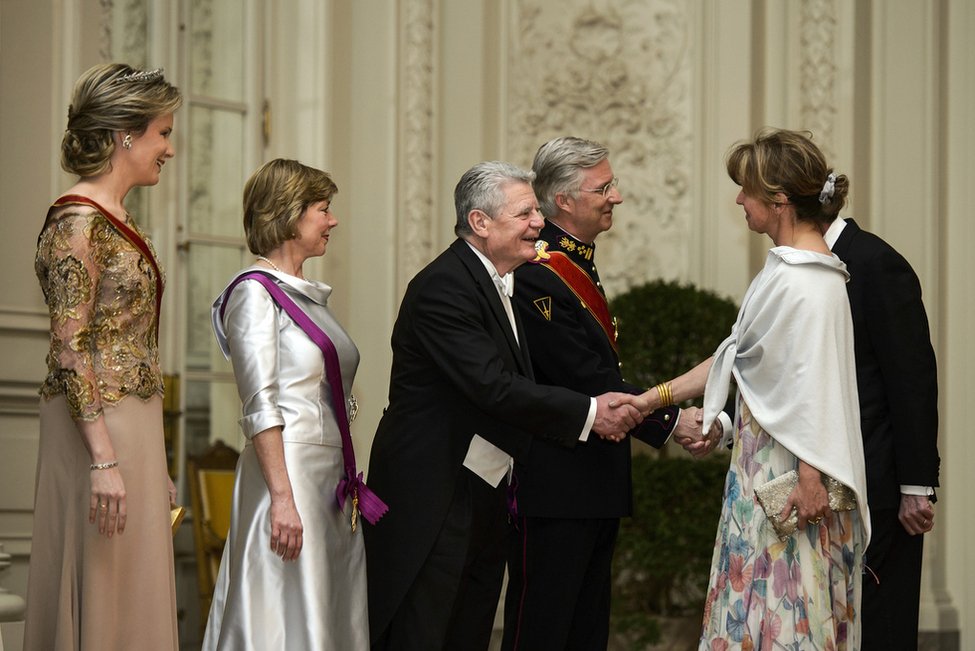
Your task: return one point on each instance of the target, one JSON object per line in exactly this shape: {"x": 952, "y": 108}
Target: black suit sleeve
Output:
{"x": 898, "y": 330}
{"x": 460, "y": 334}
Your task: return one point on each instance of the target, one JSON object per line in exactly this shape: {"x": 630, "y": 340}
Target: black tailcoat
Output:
{"x": 897, "y": 376}
{"x": 898, "y": 389}
{"x": 457, "y": 370}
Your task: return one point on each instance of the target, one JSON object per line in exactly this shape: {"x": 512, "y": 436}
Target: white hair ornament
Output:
{"x": 827, "y": 192}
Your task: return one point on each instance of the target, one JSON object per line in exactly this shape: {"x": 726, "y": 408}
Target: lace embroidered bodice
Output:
{"x": 101, "y": 295}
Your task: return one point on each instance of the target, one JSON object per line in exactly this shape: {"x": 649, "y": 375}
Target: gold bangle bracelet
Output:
{"x": 666, "y": 394}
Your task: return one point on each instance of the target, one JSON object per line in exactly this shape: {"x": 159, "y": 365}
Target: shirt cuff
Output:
{"x": 673, "y": 429}
{"x": 727, "y": 430}
{"x": 908, "y": 489}
{"x": 590, "y": 419}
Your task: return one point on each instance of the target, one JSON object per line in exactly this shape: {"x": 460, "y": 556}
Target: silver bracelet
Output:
{"x": 103, "y": 466}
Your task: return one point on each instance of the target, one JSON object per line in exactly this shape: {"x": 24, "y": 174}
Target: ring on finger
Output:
{"x": 815, "y": 521}
{"x": 103, "y": 506}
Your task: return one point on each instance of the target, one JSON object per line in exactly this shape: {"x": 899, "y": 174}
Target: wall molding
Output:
{"x": 817, "y": 72}
{"x": 17, "y": 319}
{"x": 418, "y": 158}
{"x": 621, "y": 74}
{"x": 19, "y": 398}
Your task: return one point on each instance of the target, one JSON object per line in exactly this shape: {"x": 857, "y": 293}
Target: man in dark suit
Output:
{"x": 462, "y": 404}
{"x": 570, "y": 500}
{"x": 897, "y": 380}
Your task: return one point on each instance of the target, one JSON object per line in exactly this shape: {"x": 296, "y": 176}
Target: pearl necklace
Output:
{"x": 261, "y": 257}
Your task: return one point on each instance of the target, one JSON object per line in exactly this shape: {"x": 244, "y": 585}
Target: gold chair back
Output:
{"x": 211, "y": 476}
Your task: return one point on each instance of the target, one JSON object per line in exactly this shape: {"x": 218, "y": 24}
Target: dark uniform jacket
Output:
{"x": 570, "y": 348}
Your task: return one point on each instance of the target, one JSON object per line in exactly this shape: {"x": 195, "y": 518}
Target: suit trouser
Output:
{"x": 453, "y": 600}
{"x": 890, "y": 609}
{"x": 559, "y": 584}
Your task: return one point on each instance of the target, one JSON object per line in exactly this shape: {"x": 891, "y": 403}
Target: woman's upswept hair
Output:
{"x": 276, "y": 197}
{"x": 787, "y": 162}
{"x": 108, "y": 98}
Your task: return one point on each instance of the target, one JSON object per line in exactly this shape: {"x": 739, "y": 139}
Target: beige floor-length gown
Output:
{"x": 86, "y": 591}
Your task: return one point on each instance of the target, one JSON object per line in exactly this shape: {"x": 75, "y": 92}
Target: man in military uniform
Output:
{"x": 569, "y": 501}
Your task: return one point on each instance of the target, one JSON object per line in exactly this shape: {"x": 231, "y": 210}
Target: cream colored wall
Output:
{"x": 957, "y": 311}
{"x": 397, "y": 99}
{"x": 25, "y": 189}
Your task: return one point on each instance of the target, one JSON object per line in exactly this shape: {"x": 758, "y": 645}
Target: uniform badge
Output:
{"x": 541, "y": 248}
{"x": 544, "y": 306}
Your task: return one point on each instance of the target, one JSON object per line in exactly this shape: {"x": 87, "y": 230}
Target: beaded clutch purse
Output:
{"x": 774, "y": 494}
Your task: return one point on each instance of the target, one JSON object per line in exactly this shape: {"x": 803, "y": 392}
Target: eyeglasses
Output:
{"x": 605, "y": 189}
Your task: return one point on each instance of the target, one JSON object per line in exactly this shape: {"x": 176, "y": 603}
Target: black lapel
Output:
{"x": 486, "y": 286}
{"x": 523, "y": 340}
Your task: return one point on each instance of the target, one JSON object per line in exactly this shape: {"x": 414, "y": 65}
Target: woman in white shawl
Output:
{"x": 791, "y": 355}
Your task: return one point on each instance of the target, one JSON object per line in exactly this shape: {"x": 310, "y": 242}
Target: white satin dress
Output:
{"x": 261, "y": 602}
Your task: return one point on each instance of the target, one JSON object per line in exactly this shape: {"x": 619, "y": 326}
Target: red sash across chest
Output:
{"x": 585, "y": 290}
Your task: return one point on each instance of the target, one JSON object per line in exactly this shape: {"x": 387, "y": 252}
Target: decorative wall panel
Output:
{"x": 418, "y": 141}
{"x": 817, "y": 71}
{"x": 619, "y": 73}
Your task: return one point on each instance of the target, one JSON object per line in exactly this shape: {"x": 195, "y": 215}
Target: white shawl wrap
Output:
{"x": 791, "y": 352}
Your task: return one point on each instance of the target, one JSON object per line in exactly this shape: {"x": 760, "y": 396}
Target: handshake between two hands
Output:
{"x": 618, "y": 413}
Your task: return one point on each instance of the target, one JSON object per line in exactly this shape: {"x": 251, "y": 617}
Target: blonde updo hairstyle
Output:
{"x": 276, "y": 197}
{"x": 787, "y": 162}
{"x": 106, "y": 100}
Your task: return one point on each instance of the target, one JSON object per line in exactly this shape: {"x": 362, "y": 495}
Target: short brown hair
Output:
{"x": 778, "y": 160}
{"x": 276, "y": 197}
{"x": 107, "y": 98}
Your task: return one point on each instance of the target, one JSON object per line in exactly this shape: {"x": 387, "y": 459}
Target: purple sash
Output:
{"x": 363, "y": 499}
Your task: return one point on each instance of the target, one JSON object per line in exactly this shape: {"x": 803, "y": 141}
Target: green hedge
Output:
{"x": 663, "y": 554}
{"x": 666, "y": 328}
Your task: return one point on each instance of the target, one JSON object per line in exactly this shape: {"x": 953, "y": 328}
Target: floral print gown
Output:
{"x": 763, "y": 594}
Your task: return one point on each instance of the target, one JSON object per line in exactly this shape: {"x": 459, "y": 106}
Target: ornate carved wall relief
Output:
{"x": 418, "y": 142}
{"x": 817, "y": 71}
{"x": 619, "y": 73}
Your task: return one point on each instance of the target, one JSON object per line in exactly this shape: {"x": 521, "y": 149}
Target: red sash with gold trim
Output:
{"x": 581, "y": 284}
{"x": 131, "y": 236}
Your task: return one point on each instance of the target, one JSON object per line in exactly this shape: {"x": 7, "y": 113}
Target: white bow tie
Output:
{"x": 505, "y": 283}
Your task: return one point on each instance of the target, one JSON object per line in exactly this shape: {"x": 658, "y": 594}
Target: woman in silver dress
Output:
{"x": 293, "y": 572}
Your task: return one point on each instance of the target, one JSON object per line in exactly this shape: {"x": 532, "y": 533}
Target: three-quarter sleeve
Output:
{"x": 251, "y": 328}
{"x": 66, "y": 265}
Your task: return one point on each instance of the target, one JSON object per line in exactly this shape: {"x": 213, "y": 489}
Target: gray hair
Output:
{"x": 482, "y": 188}
{"x": 559, "y": 166}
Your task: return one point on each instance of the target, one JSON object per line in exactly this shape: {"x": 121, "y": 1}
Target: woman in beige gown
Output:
{"x": 101, "y": 571}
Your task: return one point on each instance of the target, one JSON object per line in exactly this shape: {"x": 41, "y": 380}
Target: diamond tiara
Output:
{"x": 144, "y": 75}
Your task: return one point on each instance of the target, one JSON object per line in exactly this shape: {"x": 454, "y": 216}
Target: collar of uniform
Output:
{"x": 559, "y": 240}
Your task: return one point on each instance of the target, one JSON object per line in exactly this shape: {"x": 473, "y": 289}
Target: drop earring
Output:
{"x": 127, "y": 141}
